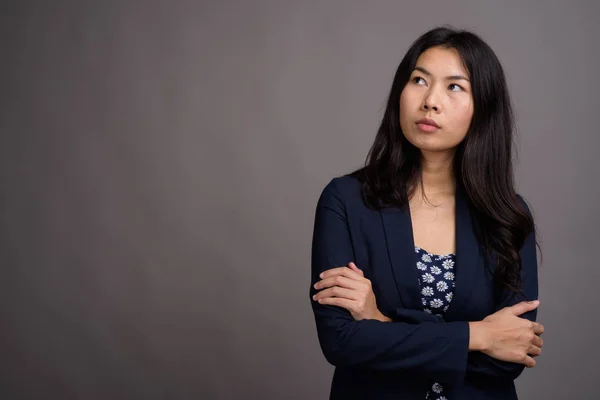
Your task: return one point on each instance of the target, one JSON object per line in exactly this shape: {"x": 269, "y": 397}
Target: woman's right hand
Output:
{"x": 507, "y": 337}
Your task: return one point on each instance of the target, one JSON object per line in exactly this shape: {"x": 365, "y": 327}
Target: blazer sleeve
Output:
{"x": 480, "y": 363}
{"x": 436, "y": 350}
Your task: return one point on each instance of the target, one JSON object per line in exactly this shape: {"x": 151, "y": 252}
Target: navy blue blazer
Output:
{"x": 401, "y": 359}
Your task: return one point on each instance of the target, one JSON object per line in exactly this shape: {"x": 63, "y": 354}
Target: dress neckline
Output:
{"x": 435, "y": 255}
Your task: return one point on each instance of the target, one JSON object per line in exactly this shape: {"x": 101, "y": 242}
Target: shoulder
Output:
{"x": 524, "y": 204}
{"x": 344, "y": 190}
{"x": 344, "y": 185}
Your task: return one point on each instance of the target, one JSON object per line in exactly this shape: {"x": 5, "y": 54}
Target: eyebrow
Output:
{"x": 451, "y": 77}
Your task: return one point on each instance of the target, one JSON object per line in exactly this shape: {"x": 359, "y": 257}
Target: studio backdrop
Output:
{"x": 160, "y": 164}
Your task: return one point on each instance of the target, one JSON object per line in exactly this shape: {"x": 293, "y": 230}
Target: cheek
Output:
{"x": 407, "y": 102}
{"x": 403, "y": 97}
{"x": 463, "y": 113}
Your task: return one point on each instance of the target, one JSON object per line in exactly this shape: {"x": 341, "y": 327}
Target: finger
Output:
{"x": 337, "y": 291}
{"x": 538, "y": 328}
{"x": 337, "y": 280}
{"x": 356, "y": 269}
{"x": 523, "y": 307}
{"x": 538, "y": 341}
{"x": 338, "y": 301}
{"x": 529, "y": 362}
{"x": 534, "y": 351}
{"x": 344, "y": 271}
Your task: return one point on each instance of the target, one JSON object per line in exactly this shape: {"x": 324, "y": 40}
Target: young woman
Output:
{"x": 424, "y": 272}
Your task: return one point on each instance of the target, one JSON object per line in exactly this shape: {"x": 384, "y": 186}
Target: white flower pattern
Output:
{"x": 437, "y": 291}
{"x": 441, "y": 286}
{"x": 436, "y": 303}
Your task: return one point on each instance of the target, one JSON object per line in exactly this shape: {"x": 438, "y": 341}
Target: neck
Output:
{"x": 438, "y": 173}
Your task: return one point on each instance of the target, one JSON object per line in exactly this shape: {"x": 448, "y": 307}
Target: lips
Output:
{"x": 427, "y": 121}
{"x": 427, "y": 125}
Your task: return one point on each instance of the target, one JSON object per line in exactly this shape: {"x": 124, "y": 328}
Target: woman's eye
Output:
{"x": 454, "y": 87}
{"x": 418, "y": 79}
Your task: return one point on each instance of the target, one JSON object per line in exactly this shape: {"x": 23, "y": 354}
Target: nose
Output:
{"x": 430, "y": 102}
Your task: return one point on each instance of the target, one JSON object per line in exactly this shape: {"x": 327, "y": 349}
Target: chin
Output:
{"x": 434, "y": 142}
{"x": 428, "y": 142}
{"x": 437, "y": 149}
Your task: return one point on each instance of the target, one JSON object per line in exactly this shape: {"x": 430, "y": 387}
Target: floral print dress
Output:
{"x": 436, "y": 279}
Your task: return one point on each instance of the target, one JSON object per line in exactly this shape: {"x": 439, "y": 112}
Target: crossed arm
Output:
{"x": 415, "y": 342}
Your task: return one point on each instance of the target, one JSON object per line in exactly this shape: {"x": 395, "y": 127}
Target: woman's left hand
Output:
{"x": 348, "y": 288}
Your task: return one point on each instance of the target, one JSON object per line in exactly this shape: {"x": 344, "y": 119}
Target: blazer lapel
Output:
{"x": 401, "y": 249}
{"x": 469, "y": 257}
{"x": 398, "y": 230}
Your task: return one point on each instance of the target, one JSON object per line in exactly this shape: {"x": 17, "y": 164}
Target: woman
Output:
{"x": 424, "y": 272}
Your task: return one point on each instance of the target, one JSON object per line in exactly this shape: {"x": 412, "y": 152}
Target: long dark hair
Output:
{"x": 482, "y": 161}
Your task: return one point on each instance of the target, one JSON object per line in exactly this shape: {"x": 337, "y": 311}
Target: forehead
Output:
{"x": 442, "y": 61}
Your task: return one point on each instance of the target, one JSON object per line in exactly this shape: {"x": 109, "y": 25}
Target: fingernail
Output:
{"x": 315, "y": 285}
{"x": 534, "y": 302}
{"x": 321, "y": 275}
{"x": 314, "y": 296}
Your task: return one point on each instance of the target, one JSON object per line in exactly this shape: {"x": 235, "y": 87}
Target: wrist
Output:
{"x": 479, "y": 338}
{"x": 382, "y": 318}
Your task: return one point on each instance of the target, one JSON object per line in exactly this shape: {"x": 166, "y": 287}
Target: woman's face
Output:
{"x": 438, "y": 90}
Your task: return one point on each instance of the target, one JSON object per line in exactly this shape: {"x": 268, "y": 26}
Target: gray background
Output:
{"x": 160, "y": 163}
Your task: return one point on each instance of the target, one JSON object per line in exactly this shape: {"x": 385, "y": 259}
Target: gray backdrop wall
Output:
{"x": 160, "y": 163}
